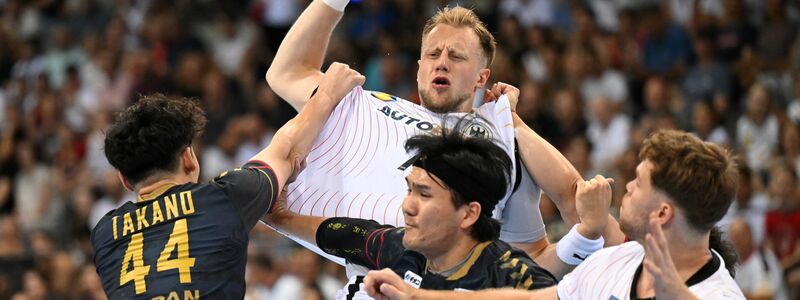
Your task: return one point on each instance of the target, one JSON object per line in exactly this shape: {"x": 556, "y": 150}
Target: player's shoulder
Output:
{"x": 102, "y": 233}
{"x": 382, "y": 96}
{"x": 628, "y": 249}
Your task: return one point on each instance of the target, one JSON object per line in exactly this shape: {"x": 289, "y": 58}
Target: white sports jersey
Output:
{"x": 609, "y": 275}
{"x": 352, "y": 169}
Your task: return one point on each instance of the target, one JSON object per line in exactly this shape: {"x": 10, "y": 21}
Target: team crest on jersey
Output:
{"x": 383, "y": 96}
{"x": 477, "y": 130}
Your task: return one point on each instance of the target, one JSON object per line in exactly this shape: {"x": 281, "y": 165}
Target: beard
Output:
{"x": 448, "y": 105}
{"x": 634, "y": 229}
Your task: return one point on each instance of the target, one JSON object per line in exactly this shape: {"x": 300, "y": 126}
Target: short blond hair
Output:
{"x": 462, "y": 17}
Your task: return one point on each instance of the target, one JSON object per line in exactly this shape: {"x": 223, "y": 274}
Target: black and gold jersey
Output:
{"x": 184, "y": 241}
{"x": 492, "y": 264}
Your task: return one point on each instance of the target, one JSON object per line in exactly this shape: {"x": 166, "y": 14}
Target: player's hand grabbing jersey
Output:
{"x": 184, "y": 241}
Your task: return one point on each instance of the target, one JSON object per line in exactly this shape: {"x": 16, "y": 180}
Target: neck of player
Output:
{"x": 689, "y": 253}
{"x": 452, "y": 255}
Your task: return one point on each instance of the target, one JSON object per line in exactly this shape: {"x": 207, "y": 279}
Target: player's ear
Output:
{"x": 666, "y": 212}
{"x": 125, "y": 182}
{"x": 472, "y": 213}
{"x": 189, "y": 160}
{"x": 483, "y": 77}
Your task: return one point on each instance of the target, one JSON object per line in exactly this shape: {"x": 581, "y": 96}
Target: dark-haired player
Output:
{"x": 450, "y": 240}
{"x": 183, "y": 239}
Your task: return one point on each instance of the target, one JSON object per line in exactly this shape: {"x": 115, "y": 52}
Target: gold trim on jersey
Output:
{"x": 155, "y": 193}
{"x": 468, "y": 264}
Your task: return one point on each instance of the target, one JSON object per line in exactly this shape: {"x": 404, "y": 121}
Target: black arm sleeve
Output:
{"x": 362, "y": 242}
{"x": 253, "y": 189}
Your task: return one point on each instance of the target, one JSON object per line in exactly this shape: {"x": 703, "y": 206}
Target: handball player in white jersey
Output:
{"x": 354, "y": 169}
{"x": 683, "y": 187}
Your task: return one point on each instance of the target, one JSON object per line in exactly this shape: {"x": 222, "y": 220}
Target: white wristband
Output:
{"x": 573, "y": 248}
{"x": 338, "y": 5}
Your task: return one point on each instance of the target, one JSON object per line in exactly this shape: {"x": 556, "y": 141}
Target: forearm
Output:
{"x": 580, "y": 246}
{"x": 550, "y": 169}
{"x": 495, "y": 294}
{"x": 303, "y": 227}
{"x": 295, "y": 69}
{"x": 548, "y": 259}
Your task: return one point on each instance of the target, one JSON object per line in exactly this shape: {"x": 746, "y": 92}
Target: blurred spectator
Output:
{"x": 114, "y": 195}
{"x": 255, "y": 136}
{"x": 90, "y": 286}
{"x": 262, "y": 276}
{"x": 276, "y": 16}
{"x": 218, "y": 157}
{"x": 10, "y": 234}
{"x": 33, "y": 199}
{"x": 706, "y": 125}
{"x": 528, "y": 12}
{"x": 609, "y": 132}
{"x": 61, "y": 55}
{"x": 735, "y": 31}
{"x": 386, "y": 71}
{"x": 568, "y": 111}
{"x": 783, "y": 223}
{"x": 220, "y": 101}
{"x": 578, "y": 151}
{"x": 759, "y": 274}
{"x": 750, "y": 204}
{"x": 666, "y": 48}
{"x": 228, "y": 40}
{"x": 776, "y": 35}
{"x": 793, "y": 109}
{"x": 707, "y": 80}
{"x": 757, "y": 129}
{"x": 531, "y": 108}
{"x": 790, "y": 145}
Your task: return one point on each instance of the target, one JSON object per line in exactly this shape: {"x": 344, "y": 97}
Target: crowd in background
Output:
{"x": 596, "y": 77}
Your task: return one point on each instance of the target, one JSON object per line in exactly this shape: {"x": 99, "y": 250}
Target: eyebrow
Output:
{"x": 418, "y": 185}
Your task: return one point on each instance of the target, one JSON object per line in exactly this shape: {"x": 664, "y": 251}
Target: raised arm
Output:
{"x": 554, "y": 174}
{"x": 293, "y": 141}
{"x": 295, "y": 70}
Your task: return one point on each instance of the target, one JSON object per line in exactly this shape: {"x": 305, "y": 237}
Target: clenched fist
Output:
{"x": 339, "y": 80}
{"x": 592, "y": 201}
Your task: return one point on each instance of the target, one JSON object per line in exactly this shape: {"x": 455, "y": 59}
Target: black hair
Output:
{"x": 719, "y": 243}
{"x": 148, "y": 136}
{"x": 477, "y": 170}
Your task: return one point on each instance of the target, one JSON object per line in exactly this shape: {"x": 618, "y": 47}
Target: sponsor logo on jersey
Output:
{"x": 403, "y": 118}
{"x": 412, "y": 279}
{"x": 383, "y": 96}
{"x": 477, "y": 130}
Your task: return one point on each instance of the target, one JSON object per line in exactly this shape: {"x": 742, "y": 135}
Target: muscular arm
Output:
{"x": 295, "y": 70}
{"x": 293, "y": 141}
{"x": 549, "y": 169}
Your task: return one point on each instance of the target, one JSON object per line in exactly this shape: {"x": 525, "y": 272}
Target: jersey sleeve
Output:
{"x": 362, "y": 242}
{"x": 521, "y": 272}
{"x": 253, "y": 189}
{"x": 498, "y": 113}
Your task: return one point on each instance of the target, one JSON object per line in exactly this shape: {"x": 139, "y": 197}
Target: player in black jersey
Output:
{"x": 450, "y": 240}
{"x": 183, "y": 239}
